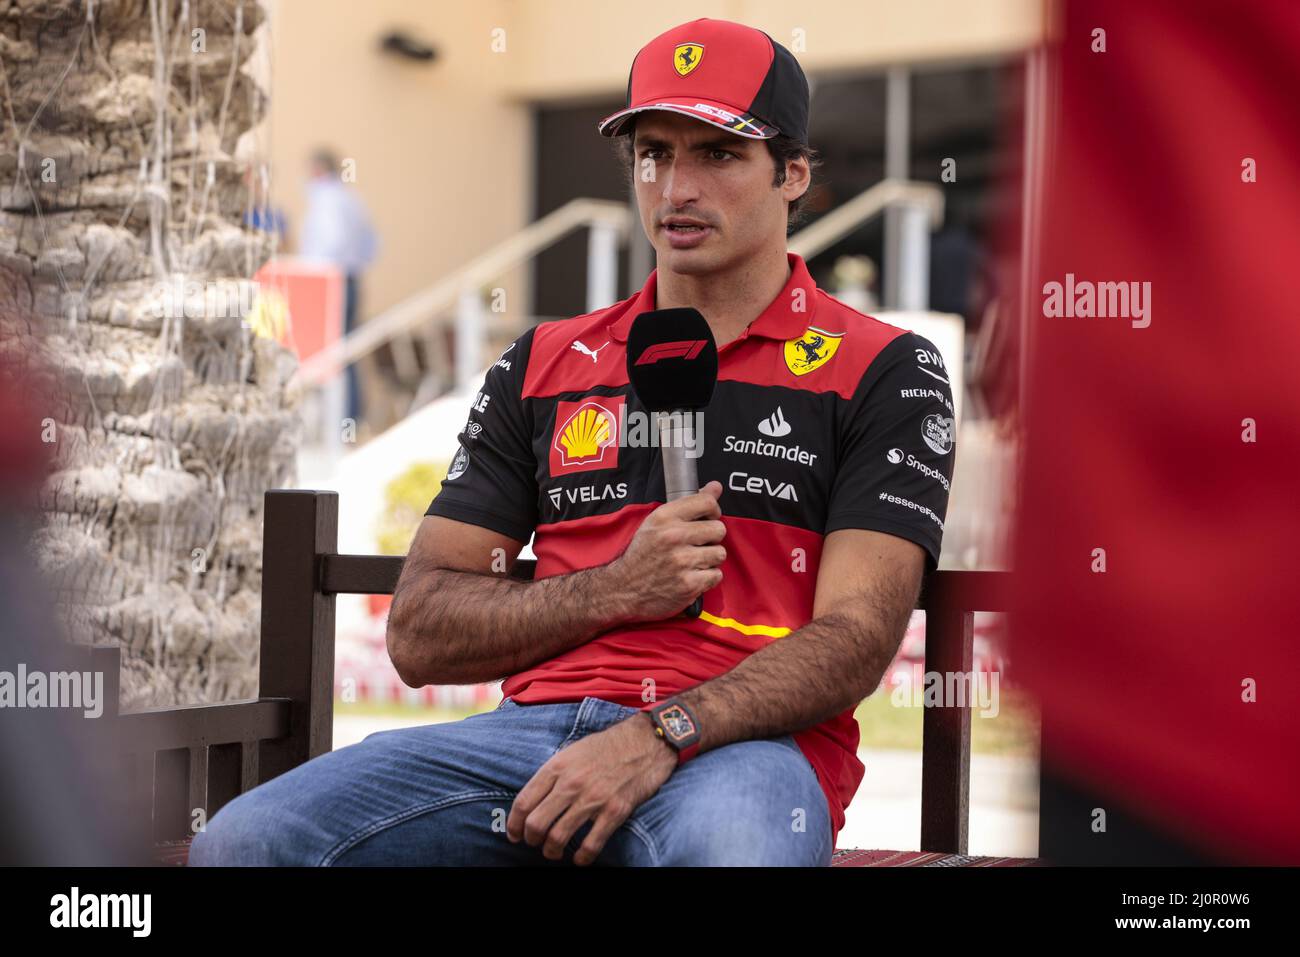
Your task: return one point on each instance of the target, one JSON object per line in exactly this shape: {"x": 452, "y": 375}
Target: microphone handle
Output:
{"x": 680, "y": 476}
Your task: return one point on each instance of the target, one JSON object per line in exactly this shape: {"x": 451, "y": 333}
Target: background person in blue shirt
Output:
{"x": 337, "y": 230}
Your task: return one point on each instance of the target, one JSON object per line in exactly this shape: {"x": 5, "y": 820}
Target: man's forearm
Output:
{"x": 452, "y": 627}
{"x": 803, "y": 679}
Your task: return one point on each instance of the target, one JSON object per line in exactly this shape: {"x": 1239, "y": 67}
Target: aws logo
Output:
{"x": 586, "y": 434}
{"x": 812, "y": 350}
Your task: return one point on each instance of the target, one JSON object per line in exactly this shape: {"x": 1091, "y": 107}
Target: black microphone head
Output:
{"x": 672, "y": 360}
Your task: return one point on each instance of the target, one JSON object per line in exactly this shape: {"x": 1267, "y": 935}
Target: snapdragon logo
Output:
{"x": 1102, "y": 300}
{"x": 896, "y": 456}
{"x": 103, "y": 910}
{"x": 53, "y": 689}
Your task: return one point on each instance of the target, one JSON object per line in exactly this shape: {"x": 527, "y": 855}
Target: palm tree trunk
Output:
{"x": 124, "y": 262}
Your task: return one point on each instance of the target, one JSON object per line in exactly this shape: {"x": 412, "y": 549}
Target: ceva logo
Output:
{"x": 761, "y": 486}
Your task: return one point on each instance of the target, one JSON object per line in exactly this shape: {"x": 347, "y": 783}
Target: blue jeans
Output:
{"x": 441, "y": 793}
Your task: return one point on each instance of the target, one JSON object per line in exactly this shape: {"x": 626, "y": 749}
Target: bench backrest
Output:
{"x": 200, "y": 757}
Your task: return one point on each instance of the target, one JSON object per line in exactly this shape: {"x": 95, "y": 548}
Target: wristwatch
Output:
{"x": 675, "y": 723}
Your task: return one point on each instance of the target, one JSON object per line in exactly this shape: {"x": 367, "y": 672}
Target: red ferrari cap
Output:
{"x": 724, "y": 73}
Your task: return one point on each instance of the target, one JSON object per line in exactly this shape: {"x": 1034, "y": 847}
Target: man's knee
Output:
{"x": 755, "y": 833}
{"x": 303, "y": 816}
{"x": 252, "y": 831}
{"x": 756, "y": 804}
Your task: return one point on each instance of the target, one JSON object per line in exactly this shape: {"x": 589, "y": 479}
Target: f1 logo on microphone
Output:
{"x": 681, "y": 349}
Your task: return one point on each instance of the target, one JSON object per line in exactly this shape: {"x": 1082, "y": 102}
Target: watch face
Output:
{"x": 677, "y": 722}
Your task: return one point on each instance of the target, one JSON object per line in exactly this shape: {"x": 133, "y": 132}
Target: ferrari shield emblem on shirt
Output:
{"x": 687, "y": 57}
{"x": 811, "y": 351}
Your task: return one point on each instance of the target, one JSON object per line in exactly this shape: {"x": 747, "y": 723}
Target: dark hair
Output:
{"x": 326, "y": 158}
{"x": 781, "y": 148}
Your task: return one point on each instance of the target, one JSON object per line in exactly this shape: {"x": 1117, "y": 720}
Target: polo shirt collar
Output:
{"x": 778, "y": 321}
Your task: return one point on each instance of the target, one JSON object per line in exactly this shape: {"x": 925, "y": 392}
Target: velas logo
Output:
{"x": 586, "y": 494}
{"x": 586, "y": 434}
{"x": 811, "y": 351}
{"x": 686, "y": 57}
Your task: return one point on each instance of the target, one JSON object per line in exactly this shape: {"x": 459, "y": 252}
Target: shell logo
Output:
{"x": 586, "y": 435}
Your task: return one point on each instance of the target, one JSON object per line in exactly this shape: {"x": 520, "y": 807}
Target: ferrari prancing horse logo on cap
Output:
{"x": 811, "y": 351}
{"x": 687, "y": 57}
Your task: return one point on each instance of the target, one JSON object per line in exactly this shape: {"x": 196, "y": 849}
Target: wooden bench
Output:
{"x": 200, "y": 757}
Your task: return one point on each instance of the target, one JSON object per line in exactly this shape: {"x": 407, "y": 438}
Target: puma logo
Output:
{"x": 578, "y": 345}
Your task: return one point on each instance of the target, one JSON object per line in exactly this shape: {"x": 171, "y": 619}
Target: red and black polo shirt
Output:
{"x": 823, "y": 418}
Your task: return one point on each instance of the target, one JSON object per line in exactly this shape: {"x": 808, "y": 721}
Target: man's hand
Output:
{"x": 673, "y": 558}
{"x": 603, "y": 778}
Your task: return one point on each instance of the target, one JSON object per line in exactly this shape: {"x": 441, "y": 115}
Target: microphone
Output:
{"x": 672, "y": 365}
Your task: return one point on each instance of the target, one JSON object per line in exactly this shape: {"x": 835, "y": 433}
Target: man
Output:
{"x": 629, "y": 734}
{"x": 337, "y": 230}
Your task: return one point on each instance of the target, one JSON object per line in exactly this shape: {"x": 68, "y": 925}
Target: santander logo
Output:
{"x": 775, "y": 425}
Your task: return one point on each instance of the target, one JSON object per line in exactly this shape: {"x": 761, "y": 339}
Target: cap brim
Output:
{"x": 712, "y": 112}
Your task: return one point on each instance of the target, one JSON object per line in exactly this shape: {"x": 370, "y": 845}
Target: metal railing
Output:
{"x": 608, "y": 223}
{"x": 919, "y": 209}
{"x": 457, "y": 300}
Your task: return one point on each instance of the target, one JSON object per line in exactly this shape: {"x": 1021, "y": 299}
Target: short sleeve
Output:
{"x": 492, "y": 481}
{"x": 896, "y": 446}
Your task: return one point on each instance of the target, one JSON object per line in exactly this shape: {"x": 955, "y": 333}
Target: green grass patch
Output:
{"x": 1012, "y": 732}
